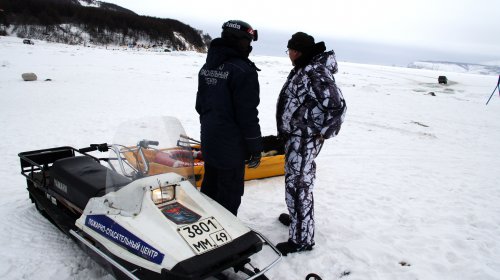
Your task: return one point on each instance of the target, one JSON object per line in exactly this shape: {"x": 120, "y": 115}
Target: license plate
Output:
{"x": 204, "y": 235}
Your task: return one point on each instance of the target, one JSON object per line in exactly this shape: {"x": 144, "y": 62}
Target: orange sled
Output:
{"x": 178, "y": 160}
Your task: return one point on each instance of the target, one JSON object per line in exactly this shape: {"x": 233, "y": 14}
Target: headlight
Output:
{"x": 163, "y": 194}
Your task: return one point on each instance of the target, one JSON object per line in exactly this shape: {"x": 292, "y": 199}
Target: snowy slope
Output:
{"x": 492, "y": 68}
{"x": 90, "y": 3}
{"x": 408, "y": 190}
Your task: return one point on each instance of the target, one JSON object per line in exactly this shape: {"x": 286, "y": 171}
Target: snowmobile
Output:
{"x": 137, "y": 225}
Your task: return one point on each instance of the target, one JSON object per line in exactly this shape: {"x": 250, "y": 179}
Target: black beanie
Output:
{"x": 301, "y": 42}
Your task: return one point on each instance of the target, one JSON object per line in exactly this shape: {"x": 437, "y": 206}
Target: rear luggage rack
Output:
{"x": 35, "y": 164}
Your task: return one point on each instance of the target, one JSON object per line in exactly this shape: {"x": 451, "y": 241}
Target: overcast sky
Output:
{"x": 468, "y": 26}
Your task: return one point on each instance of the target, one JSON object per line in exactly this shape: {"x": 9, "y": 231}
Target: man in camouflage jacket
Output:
{"x": 310, "y": 108}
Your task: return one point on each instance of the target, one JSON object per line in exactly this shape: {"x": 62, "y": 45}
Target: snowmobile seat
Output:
{"x": 80, "y": 178}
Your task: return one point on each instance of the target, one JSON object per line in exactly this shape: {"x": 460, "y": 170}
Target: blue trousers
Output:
{"x": 226, "y": 186}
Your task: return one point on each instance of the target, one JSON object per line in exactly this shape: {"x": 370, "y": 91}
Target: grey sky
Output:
{"x": 462, "y": 26}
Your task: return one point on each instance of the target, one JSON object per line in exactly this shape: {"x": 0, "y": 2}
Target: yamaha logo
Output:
{"x": 61, "y": 186}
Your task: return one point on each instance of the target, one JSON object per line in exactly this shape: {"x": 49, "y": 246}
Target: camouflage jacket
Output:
{"x": 310, "y": 104}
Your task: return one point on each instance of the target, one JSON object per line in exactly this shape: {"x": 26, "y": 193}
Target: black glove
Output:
{"x": 254, "y": 160}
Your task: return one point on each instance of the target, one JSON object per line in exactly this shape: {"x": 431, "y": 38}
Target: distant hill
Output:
{"x": 95, "y": 22}
{"x": 483, "y": 69}
{"x": 102, "y": 5}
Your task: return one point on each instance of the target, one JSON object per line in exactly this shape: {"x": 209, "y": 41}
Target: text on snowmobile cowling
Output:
{"x": 119, "y": 235}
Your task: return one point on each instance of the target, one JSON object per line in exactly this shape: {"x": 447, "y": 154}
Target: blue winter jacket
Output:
{"x": 227, "y": 100}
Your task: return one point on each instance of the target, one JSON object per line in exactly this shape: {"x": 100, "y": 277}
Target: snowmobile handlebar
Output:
{"x": 94, "y": 147}
{"x": 145, "y": 143}
{"x": 186, "y": 141}
{"x": 142, "y": 167}
{"x": 189, "y": 138}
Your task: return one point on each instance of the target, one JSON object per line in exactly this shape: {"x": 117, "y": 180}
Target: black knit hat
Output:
{"x": 301, "y": 42}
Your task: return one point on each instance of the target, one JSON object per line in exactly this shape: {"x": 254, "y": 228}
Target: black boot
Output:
{"x": 289, "y": 247}
{"x": 285, "y": 219}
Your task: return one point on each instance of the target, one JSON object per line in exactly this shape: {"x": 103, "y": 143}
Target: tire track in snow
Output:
{"x": 396, "y": 129}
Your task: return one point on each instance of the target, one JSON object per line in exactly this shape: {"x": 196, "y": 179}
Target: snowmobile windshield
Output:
{"x": 150, "y": 147}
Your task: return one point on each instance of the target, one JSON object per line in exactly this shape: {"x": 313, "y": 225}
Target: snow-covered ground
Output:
{"x": 410, "y": 189}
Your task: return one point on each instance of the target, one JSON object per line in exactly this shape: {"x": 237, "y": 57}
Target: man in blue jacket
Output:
{"x": 227, "y": 100}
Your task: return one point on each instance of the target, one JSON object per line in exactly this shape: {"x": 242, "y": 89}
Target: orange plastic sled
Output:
{"x": 178, "y": 160}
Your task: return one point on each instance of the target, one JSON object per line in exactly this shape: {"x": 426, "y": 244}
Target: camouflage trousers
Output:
{"x": 300, "y": 173}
